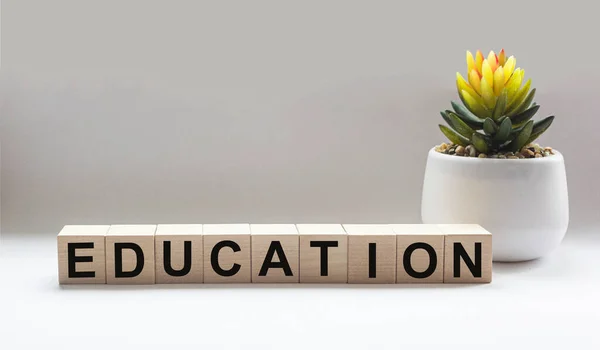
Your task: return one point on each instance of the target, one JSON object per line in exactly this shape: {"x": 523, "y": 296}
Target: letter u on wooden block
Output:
{"x": 130, "y": 254}
{"x": 275, "y": 253}
{"x": 323, "y": 253}
{"x": 468, "y": 254}
{"x": 227, "y": 252}
{"x": 179, "y": 254}
{"x": 371, "y": 254}
{"x": 420, "y": 254}
{"x": 81, "y": 254}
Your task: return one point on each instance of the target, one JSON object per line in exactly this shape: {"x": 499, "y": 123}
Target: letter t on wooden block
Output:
{"x": 468, "y": 254}
{"x": 275, "y": 253}
{"x": 130, "y": 254}
{"x": 81, "y": 256}
{"x": 371, "y": 254}
{"x": 179, "y": 254}
{"x": 420, "y": 250}
{"x": 323, "y": 253}
{"x": 227, "y": 253}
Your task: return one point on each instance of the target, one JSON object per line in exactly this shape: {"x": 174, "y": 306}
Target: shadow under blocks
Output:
{"x": 274, "y": 253}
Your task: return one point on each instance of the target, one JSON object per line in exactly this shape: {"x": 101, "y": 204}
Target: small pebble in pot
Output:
{"x": 482, "y": 155}
{"x": 460, "y": 150}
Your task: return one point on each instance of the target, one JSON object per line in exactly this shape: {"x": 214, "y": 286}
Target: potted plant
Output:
{"x": 492, "y": 172}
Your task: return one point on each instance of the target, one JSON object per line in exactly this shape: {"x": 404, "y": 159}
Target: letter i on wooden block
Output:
{"x": 275, "y": 253}
{"x": 81, "y": 254}
{"x": 179, "y": 254}
{"x": 227, "y": 252}
{"x": 323, "y": 253}
{"x": 468, "y": 254}
{"x": 371, "y": 254}
{"x": 130, "y": 254}
{"x": 420, "y": 253}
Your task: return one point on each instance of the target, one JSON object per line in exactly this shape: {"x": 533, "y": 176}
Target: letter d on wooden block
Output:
{"x": 275, "y": 253}
{"x": 130, "y": 254}
{"x": 371, "y": 254}
{"x": 227, "y": 253}
{"x": 468, "y": 254}
{"x": 81, "y": 254}
{"x": 178, "y": 254}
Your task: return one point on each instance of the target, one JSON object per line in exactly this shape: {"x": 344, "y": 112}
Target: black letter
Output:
{"x": 323, "y": 245}
{"x": 275, "y": 247}
{"x": 214, "y": 258}
{"x": 72, "y": 259}
{"x": 119, "y": 260}
{"x": 432, "y": 260}
{"x": 187, "y": 259}
{"x": 372, "y": 260}
{"x": 459, "y": 252}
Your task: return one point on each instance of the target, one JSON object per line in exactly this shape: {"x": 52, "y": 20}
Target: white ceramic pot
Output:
{"x": 522, "y": 202}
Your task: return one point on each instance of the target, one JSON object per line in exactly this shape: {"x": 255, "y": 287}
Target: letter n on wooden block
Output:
{"x": 468, "y": 254}
{"x": 371, "y": 254}
{"x": 130, "y": 254}
{"x": 227, "y": 253}
{"x": 275, "y": 253}
{"x": 420, "y": 254}
{"x": 81, "y": 254}
{"x": 178, "y": 254}
{"x": 323, "y": 253}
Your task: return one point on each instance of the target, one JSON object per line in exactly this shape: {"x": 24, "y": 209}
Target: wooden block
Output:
{"x": 179, "y": 254}
{"x": 323, "y": 253}
{"x": 275, "y": 253}
{"x": 227, "y": 252}
{"x": 420, "y": 253}
{"x": 371, "y": 254}
{"x": 81, "y": 254}
{"x": 468, "y": 254}
{"x": 130, "y": 254}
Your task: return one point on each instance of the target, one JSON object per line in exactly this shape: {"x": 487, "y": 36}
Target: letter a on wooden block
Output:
{"x": 227, "y": 253}
{"x": 371, "y": 254}
{"x": 81, "y": 255}
{"x": 130, "y": 254}
{"x": 178, "y": 254}
{"x": 420, "y": 254}
{"x": 468, "y": 254}
{"x": 323, "y": 253}
{"x": 275, "y": 253}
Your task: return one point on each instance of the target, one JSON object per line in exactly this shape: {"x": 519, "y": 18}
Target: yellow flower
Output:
{"x": 488, "y": 79}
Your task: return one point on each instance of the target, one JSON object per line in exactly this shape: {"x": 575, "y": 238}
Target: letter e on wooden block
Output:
{"x": 468, "y": 254}
{"x": 275, "y": 253}
{"x": 371, "y": 254}
{"x": 323, "y": 253}
{"x": 81, "y": 254}
{"x": 130, "y": 254}
{"x": 420, "y": 253}
{"x": 227, "y": 253}
{"x": 178, "y": 254}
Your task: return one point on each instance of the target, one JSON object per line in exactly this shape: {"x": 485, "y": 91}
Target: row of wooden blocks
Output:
{"x": 274, "y": 253}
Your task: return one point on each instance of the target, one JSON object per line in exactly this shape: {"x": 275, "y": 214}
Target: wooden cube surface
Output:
{"x": 468, "y": 254}
{"x": 275, "y": 253}
{"x": 371, "y": 254}
{"x": 227, "y": 251}
{"x": 420, "y": 253}
{"x": 178, "y": 251}
{"x": 130, "y": 254}
{"x": 81, "y": 254}
{"x": 323, "y": 253}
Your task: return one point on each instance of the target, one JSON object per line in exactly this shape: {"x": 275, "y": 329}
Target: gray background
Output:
{"x": 265, "y": 111}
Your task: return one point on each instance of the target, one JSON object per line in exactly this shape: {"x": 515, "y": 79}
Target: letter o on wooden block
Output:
{"x": 275, "y": 253}
{"x": 420, "y": 253}
{"x": 130, "y": 254}
{"x": 371, "y": 254}
{"x": 227, "y": 253}
{"x": 81, "y": 255}
{"x": 179, "y": 254}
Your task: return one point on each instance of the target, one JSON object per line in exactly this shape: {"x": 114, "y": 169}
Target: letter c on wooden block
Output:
{"x": 130, "y": 254}
{"x": 227, "y": 253}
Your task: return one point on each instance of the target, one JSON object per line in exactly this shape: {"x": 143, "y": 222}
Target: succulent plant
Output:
{"x": 497, "y": 108}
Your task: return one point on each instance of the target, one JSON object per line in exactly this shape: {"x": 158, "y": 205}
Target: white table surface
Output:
{"x": 552, "y": 302}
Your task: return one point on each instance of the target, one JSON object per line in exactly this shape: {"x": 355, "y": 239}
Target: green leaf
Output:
{"x": 522, "y": 137}
{"x": 489, "y": 126}
{"x": 466, "y": 115}
{"x": 500, "y": 107}
{"x": 453, "y": 136}
{"x": 504, "y": 130}
{"x": 479, "y": 142}
{"x": 445, "y": 116}
{"x": 539, "y": 128}
{"x": 524, "y": 105}
{"x": 525, "y": 115}
{"x": 460, "y": 126}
